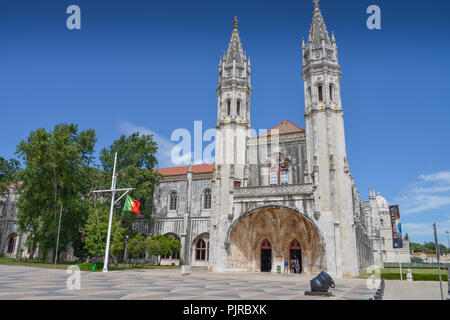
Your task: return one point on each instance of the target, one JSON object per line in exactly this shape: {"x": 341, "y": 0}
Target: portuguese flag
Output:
{"x": 132, "y": 205}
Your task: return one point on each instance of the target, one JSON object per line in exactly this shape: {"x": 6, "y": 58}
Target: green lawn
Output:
{"x": 425, "y": 274}
{"x": 14, "y": 262}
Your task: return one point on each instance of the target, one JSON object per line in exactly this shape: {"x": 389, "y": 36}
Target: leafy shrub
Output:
{"x": 87, "y": 266}
{"x": 416, "y": 276}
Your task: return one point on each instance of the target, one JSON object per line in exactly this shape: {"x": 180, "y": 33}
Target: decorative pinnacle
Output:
{"x": 316, "y": 4}
{"x": 235, "y": 22}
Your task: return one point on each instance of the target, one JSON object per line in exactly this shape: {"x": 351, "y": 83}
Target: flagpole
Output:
{"x": 111, "y": 210}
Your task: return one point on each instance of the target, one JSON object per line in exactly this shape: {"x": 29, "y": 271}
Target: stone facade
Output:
{"x": 288, "y": 184}
{"x": 285, "y": 194}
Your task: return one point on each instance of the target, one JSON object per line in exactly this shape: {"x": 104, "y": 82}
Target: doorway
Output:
{"x": 266, "y": 256}
{"x": 295, "y": 253}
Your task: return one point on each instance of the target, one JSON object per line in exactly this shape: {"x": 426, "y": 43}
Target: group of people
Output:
{"x": 293, "y": 267}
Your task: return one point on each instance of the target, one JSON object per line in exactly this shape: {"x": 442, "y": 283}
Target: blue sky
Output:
{"x": 152, "y": 66}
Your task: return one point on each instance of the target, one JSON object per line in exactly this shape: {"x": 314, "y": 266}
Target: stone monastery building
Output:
{"x": 282, "y": 195}
{"x": 288, "y": 193}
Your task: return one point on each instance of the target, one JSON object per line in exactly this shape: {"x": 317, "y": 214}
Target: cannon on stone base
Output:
{"x": 320, "y": 285}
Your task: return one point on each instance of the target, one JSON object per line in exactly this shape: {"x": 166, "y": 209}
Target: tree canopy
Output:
{"x": 427, "y": 247}
{"x": 95, "y": 232}
{"x": 135, "y": 163}
{"x": 8, "y": 172}
{"x": 57, "y": 172}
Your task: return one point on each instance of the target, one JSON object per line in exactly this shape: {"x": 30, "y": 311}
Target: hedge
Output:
{"x": 416, "y": 276}
{"x": 87, "y": 266}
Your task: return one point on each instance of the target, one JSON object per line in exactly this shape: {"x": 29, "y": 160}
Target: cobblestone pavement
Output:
{"x": 39, "y": 283}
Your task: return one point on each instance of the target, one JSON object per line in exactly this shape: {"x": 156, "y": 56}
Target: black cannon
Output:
{"x": 321, "y": 284}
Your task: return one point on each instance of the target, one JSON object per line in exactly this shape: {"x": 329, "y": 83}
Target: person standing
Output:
{"x": 286, "y": 266}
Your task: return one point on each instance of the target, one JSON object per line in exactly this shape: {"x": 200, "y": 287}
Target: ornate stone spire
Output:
{"x": 235, "y": 47}
{"x": 318, "y": 30}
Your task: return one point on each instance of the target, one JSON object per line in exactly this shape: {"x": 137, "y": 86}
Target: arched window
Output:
{"x": 266, "y": 245}
{"x": 309, "y": 95}
{"x": 238, "y": 107}
{"x": 200, "y": 250}
{"x": 173, "y": 201}
{"x": 207, "y": 199}
{"x": 295, "y": 244}
{"x": 228, "y": 107}
{"x": 319, "y": 88}
{"x": 279, "y": 174}
{"x": 331, "y": 92}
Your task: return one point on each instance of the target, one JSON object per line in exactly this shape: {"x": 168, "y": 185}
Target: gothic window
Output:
{"x": 331, "y": 92}
{"x": 284, "y": 177}
{"x": 238, "y": 107}
{"x": 200, "y": 250}
{"x": 382, "y": 222}
{"x": 279, "y": 173}
{"x": 173, "y": 201}
{"x": 320, "y": 93}
{"x": 207, "y": 199}
{"x": 228, "y": 107}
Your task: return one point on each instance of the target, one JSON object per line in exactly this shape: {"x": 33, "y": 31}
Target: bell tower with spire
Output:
{"x": 232, "y": 131}
{"x": 233, "y": 106}
{"x": 325, "y": 142}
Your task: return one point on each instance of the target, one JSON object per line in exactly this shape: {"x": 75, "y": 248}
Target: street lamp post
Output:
{"x": 125, "y": 253}
{"x": 448, "y": 264}
{"x": 438, "y": 256}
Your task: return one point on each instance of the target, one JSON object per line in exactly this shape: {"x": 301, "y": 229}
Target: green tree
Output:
{"x": 8, "y": 173}
{"x": 160, "y": 246}
{"x": 416, "y": 247}
{"x": 57, "y": 171}
{"x": 138, "y": 246}
{"x": 429, "y": 247}
{"x": 95, "y": 233}
{"x": 135, "y": 169}
{"x": 406, "y": 236}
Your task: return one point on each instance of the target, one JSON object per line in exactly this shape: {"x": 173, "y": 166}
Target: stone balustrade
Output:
{"x": 280, "y": 190}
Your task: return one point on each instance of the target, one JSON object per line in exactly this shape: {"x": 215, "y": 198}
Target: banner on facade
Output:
{"x": 397, "y": 240}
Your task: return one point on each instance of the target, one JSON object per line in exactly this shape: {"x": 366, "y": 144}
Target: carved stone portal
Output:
{"x": 280, "y": 226}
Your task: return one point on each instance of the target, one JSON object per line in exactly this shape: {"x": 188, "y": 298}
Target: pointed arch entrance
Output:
{"x": 279, "y": 226}
{"x": 295, "y": 257}
{"x": 266, "y": 256}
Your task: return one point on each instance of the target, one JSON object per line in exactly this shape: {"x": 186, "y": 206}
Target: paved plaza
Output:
{"x": 39, "y": 283}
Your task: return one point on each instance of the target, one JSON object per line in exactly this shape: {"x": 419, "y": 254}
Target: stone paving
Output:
{"x": 48, "y": 284}
{"x": 416, "y": 290}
